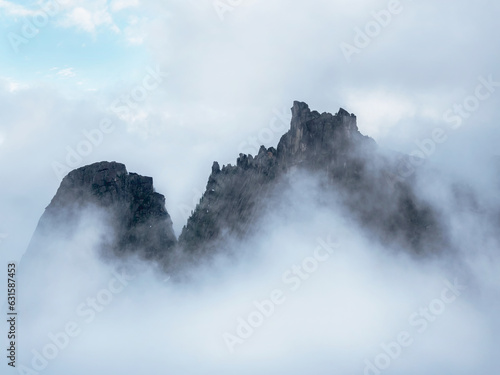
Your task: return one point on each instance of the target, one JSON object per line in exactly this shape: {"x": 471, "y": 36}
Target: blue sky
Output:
{"x": 229, "y": 72}
{"x": 69, "y": 48}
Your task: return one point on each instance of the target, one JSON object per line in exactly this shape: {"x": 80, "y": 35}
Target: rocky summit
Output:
{"x": 329, "y": 146}
{"x": 138, "y": 220}
{"x": 332, "y": 148}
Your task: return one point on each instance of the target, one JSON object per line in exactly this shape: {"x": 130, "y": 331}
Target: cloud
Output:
{"x": 379, "y": 111}
{"x": 88, "y": 20}
{"x": 135, "y": 32}
{"x": 226, "y": 79}
{"x": 15, "y": 9}
{"x": 66, "y": 73}
{"x": 117, "y": 5}
{"x": 344, "y": 313}
{"x": 80, "y": 18}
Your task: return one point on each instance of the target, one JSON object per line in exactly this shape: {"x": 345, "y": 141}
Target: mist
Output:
{"x": 342, "y": 301}
{"x": 308, "y": 290}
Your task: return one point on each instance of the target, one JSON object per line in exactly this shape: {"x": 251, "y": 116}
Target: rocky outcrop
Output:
{"x": 232, "y": 201}
{"x": 332, "y": 147}
{"x": 136, "y": 215}
{"x": 322, "y": 141}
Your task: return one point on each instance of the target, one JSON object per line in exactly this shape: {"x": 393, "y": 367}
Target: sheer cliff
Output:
{"x": 135, "y": 216}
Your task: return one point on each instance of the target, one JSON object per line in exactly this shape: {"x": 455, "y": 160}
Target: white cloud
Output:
{"x": 11, "y": 85}
{"x": 379, "y": 111}
{"x": 87, "y": 19}
{"x": 337, "y": 315}
{"x": 117, "y": 5}
{"x": 66, "y": 73}
{"x": 15, "y": 9}
{"x": 80, "y": 18}
{"x": 226, "y": 78}
{"x": 136, "y": 31}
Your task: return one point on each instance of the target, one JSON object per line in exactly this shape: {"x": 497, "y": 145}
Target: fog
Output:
{"x": 226, "y": 84}
{"x": 309, "y": 290}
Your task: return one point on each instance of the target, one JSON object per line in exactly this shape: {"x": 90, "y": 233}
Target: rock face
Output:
{"x": 318, "y": 141}
{"x": 332, "y": 147}
{"x": 138, "y": 219}
{"x": 232, "y": 201}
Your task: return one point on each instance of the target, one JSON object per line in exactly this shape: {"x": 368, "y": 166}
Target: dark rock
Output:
{"x": 137, "y": 217}
{"x": 332, "y": 147}
{"x": 231, "y": 202}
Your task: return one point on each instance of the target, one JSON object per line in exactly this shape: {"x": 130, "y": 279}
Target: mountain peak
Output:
{"x": 299, "y": 107}
{"x": 343, "y": 112}
{"x": 137, "y": 213}
{"x": 316, "y": 139}
{"x": 102, "y": 179}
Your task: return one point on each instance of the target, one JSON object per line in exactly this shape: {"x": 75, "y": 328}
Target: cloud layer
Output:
{"x": 227, "y": 80}
{"x": 310, "y": 290}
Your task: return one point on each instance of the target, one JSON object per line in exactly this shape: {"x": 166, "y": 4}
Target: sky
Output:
{"x": 167, "y": 87}
{"x": 225, "y": 73}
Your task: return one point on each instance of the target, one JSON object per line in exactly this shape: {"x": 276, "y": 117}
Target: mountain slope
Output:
{"x": 136, "y": 214}
{"x": 331, "y": 147}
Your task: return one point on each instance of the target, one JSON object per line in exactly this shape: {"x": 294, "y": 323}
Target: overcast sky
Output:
{"x": 221, "y": 75}
{"x": 167, "y": 87}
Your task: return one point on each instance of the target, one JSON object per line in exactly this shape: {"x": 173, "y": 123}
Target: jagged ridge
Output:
{"x": 332, "y": 147}
{"x": 329, "y": 145}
